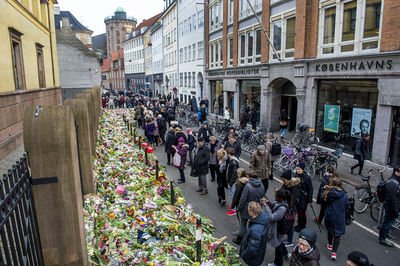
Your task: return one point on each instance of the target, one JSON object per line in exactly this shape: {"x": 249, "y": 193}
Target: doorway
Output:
{"x": 289, "y": 103}
{"x": 394, "y": 154}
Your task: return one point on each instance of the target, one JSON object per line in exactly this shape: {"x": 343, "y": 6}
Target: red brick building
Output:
{"x": 322, "y": 56}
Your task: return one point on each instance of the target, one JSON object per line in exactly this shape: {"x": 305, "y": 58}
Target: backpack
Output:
{"x": 287, "y": 222}
{"x": 381, "y": 189}
{"x": 276, "y": 149}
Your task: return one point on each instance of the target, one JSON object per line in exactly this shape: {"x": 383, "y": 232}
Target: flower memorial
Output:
{"x": 130, "y": 220}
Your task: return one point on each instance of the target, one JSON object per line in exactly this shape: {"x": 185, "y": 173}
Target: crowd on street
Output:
{"x": 263, "y": 221}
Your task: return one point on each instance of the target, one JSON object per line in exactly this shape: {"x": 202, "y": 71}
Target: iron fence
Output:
{"x": 19, "y": 233}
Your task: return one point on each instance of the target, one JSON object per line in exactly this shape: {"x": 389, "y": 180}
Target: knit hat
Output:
{"x": 261, "y": 147}
{"x": 181, "y": 139}
{"x": 308, "y": 235}
{"x": 205, "y": 123}
{"x": 358, "y": 258}
{"x": 189, "y": 130}
{"x": 287, "y": 174}
{"x": 301, "y": 165}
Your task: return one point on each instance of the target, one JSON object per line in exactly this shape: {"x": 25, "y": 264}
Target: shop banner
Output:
{"x": 361, "y": 121}
{"x": 331, "y": 118}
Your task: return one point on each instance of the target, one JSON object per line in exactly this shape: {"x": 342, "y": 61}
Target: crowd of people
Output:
{"x": 262, "y": 221}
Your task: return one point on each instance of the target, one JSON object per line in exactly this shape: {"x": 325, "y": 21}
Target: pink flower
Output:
{"x": 120, "y": 189}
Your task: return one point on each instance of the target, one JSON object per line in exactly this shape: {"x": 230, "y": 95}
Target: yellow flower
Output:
{"x": 111, "y": 215}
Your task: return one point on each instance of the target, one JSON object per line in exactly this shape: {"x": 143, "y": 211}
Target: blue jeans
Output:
{"x": 283, "y": 131}
{"x": 182, "y": 174}
{"x": 232, "y": 190}
{"x": 388, "y": 220}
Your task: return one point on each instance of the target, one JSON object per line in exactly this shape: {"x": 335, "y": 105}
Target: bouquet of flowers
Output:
{"x": 130, "y": 221}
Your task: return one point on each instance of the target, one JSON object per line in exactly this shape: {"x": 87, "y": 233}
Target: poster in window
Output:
{"x": 331, "y": 118}
{"x": 361, "y": 122}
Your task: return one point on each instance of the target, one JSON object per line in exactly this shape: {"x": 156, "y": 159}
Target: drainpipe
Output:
{"x": 51, "y": 44}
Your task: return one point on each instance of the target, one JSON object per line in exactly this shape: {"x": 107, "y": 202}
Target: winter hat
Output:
{"x": 181, "y": 139}
{"x": 205, "y": 123}
{"x": 308, "y": 235}
{"x": 189, "y": 130}
{"x": 261, "y": 147}
{"x": 201, "y": 139}
{"x": 358, "y": 258}
{"x": 287, "y": 174}
{"x": 301, "y": 165}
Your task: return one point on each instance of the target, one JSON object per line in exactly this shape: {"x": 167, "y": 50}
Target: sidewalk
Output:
{"x": 10, "y": 160}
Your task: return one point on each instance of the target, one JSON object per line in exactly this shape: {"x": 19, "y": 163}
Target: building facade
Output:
{"x": 169, "y": 22}
{"x": 331, "y": 64}
{"x": 157, "y": 58}
{"x": 118, "y": 27}
{"x": 191, "y": 49}
{"x": 29, "y": 66}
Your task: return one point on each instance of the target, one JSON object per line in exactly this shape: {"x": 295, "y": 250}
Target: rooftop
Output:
{"x": 74, "y": 22}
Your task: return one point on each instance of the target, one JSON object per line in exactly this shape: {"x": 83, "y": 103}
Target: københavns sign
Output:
{"x": 355, "y": 66}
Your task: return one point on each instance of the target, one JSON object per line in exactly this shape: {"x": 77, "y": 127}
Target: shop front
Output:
{"x": 356, "y": 96}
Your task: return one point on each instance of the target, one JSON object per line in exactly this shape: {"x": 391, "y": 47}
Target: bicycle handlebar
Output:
{"x": 380, "y": 171}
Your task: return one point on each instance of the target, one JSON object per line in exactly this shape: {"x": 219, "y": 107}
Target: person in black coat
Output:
{"x": 170, "y": 140}
{"x": 235, "y": 144}
{"x": 179, "y": 134}
{"x": 326, "y": 179}
{"x": 391, "y": 205}
{"x": 305, "y": 196}
{"x": 360, "y": 153}
{"x": 253, "y": 246}
{"x": 201, "y": 165}
{"x": 205, "y": 132}
{"x": 162, "y": 127}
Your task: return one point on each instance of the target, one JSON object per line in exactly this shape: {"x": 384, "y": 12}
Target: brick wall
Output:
{"x": 235, "y": 32}
{"x": 390, "y": 37}
{"x": 266, "y": 26}
{"x": 225, "y": 33}
{"x": 306, "y": 40}
{"x": 12, "y": 110}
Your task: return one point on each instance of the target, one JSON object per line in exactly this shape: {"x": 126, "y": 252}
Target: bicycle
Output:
{"x": 364, "y": 197}
{"x": 325, "y": 159}
{"x": 305, "y": 136}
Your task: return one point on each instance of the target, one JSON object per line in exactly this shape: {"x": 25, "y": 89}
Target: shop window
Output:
{"x": 283, "y": 34}
{"x": 40, "y": 66}
{"x": 345, "y": 109}
{"x": 217, "y": 97}
{"x": 349, "y": 27}
{"x": 250, "y": 98}
{"x": 17, "y": 59}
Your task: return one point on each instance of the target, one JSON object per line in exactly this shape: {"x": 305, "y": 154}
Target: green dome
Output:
{"x": 119, "y": 10}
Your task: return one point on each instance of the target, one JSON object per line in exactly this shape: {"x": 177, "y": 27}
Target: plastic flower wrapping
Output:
{"x": 130, "y": 221}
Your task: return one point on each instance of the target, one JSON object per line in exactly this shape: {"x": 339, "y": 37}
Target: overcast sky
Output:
{"x": 91, "y": 13}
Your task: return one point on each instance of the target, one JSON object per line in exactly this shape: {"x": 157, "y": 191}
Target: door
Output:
{"x": 289, "y": 103}
{"x": 394, "y": 155}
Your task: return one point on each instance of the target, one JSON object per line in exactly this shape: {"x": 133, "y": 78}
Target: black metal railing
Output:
{"x": 19, "y": 233}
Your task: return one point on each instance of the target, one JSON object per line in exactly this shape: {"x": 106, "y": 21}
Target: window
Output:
{"x": 181, "y": 55}
{"x": 211, "y": 55}
{"x": 246, "y": 10}
{"x": 189, "y": 79}
{"x": 185, "y": 84}
{"x": 349, "y": 27}
{"x": 186, "y": 55}
{"x": 17, "y": 59}
{"x": 242, "y": 48}
{"x": 230, "y": 12}
{"x": 220, "y": 54}
{"x": 200, "y": 16}
{"x": 194, "y": 51}
{"x": 181, "y": 79}
{"x": 193, "y": 80}
{"x": 189, "y": 53}
{"x": 40, "y": 65}
{"x": 250, "y": 40}
{"x": 194, "y": 21}
{"x": 249, "y": 47}
{"x": 283, "y": 34}
{"x": 200, "y": 50}
{"x": 258, "y": 45}
{"x": 230, "y": 51}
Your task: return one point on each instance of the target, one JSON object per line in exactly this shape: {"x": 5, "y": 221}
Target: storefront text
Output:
{"x": 356, "y": 66}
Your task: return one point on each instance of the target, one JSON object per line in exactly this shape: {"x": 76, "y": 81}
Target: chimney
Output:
{"x": 65, "y": 24}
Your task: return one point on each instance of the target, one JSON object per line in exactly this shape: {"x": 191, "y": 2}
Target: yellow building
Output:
{"x": 29, "y": 65}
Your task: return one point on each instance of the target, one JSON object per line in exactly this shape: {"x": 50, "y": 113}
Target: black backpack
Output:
{"x": 287, "y": 222}
{"x": 381, "y": 189}
{"x": 276, "y": 149}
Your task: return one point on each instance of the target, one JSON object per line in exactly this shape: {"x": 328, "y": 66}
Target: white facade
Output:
{"x": 157, "y": 57}
{"x": 134, "y": 61}
{"x": 169, "y": 22}
{"x": 191, "y": 49}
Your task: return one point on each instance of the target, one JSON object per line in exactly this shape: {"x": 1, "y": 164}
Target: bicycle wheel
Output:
{"x": 361, "y": 200}
{"x": 375, "y": 208}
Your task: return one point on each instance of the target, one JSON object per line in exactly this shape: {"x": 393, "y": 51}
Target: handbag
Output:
{"x": 283, "y": 123}
{"x": 176, "y": 161}
{"x": 193, "y": 172}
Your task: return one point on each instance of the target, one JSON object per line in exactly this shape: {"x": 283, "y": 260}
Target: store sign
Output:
{"x": 235, "y": 72}
{"x": 378, "y": 65}
{"x": 331, "y": 118}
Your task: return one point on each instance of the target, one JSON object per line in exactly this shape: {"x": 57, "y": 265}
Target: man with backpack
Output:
{"x": 391, "y": 205}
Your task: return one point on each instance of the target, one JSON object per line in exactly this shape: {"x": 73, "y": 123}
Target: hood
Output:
{"x": 313, "y": 255}
{"x": 261, "y": 219}
{"x": 255, "y": 182}
{"x": 243, "y": 180}
{"x": 293, "y": 182}
{"x": 336, "y": 193}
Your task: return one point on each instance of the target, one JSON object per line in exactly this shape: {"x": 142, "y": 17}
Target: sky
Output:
{"x": 91, "y": 13}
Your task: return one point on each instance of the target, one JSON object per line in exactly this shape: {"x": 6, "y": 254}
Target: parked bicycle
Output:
{"x": 305, "y": 136}
{"x": 324, "y": 159}
{"x": 364, "y": 196}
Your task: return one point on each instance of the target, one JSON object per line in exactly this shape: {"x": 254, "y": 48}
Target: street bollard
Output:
{"x": 172, "y": 193}
{"x": 198, "y": 239}
{"x": 157, "y": 170}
